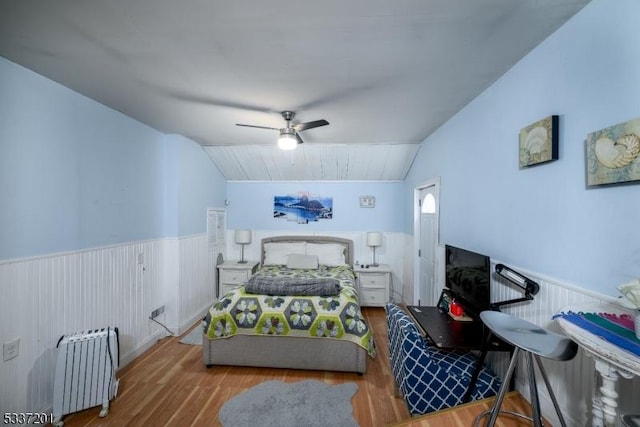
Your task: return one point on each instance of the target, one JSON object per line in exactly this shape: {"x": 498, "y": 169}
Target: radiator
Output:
{"x": 85, "y": 373}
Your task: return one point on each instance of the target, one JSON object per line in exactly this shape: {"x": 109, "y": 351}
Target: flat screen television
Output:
{"x": 468, "y": 277}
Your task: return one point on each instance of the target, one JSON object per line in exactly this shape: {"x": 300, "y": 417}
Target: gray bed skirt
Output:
{"x": 285, "y": 352}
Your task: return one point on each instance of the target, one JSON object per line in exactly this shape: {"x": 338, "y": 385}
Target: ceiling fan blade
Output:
{"x": 300, "y": 141}
{"x": 255, "y": 126}
{"x": 310, "y": 125}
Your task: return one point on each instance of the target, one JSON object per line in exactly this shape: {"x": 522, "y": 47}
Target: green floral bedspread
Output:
{"x": 335, "y": 317}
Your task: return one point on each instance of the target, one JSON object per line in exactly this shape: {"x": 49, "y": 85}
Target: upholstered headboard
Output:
{"x": 347, "y": 243}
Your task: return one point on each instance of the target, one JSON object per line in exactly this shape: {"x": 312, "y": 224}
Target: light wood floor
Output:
{"x": 465, "y": 415}
{"x": 169, "y": 385}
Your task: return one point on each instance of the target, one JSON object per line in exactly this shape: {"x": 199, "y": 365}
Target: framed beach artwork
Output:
{"x": 613, "y": 154}
{"x": 302, "y": 207}
{"x": 539, "y": 142}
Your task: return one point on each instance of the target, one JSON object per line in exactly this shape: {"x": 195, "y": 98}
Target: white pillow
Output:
{"x": 331, "y": 254}
{"x": 301, "y": 261}
{"x": 277, "y": 253}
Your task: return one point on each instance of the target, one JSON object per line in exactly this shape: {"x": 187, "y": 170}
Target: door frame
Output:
{"x": 435, "y": 183}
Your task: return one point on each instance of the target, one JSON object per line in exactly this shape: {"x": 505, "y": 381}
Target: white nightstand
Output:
{"x": 374, "y": 285}
{"x": 233, "y": 274}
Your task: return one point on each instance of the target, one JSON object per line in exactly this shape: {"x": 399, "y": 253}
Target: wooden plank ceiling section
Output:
{"x": 354, "y": 162}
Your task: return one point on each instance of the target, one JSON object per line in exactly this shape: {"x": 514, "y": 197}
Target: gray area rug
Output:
{"x": 194, "y": 337}
{"x": 279, "y": 404}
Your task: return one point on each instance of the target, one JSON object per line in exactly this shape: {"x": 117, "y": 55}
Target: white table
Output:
{"x": 234, "y": 274}
{"x": 611, "y": 361}
{"x": 374, "y": 285}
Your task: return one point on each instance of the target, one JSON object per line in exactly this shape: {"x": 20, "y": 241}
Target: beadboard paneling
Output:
{"x": 346, "y": 162}
{"x": 197, "y": 279}
{"x": 573, "y": 382}
{"x": 46, "y": 297}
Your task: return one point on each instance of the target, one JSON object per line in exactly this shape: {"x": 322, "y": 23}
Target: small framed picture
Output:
{"x": 367, "y": 202}
{"x": 539, "y": 142}
{"x": 613, "y": 154}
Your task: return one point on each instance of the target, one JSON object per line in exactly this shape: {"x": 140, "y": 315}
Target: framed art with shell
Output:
{"x": 613, "y": 154}
{"x": 539, "y": 142}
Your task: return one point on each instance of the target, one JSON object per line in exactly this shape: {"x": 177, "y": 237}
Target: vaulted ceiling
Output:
{"x": 384, "y": 74}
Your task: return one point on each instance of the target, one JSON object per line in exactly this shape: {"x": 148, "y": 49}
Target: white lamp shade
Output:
{"x": 242, "y": 236}
{"x": 287, "y": 142}
{"x": 374, "y": 239}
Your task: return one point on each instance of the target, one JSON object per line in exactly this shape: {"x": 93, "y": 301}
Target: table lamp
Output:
{"x": 374, "y": 239}
{"x": 242, "y": 237}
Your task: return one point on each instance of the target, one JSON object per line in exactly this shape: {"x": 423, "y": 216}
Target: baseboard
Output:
{"x": 137, "y": 351}
{"x": 187, "y": 324}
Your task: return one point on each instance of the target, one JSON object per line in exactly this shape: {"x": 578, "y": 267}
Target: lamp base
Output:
{"x": 375, "y": 264}
{"x": 242, "y": 260}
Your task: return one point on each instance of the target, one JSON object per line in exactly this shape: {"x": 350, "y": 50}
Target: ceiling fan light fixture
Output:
{"x": 287, "y": 139}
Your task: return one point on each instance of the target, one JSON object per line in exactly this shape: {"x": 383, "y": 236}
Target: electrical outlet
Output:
{"x": 157, "y": 312}
{"x": 10, "y": 350}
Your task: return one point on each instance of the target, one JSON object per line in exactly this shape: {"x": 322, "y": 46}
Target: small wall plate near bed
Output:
{"x": 367, "y": 201}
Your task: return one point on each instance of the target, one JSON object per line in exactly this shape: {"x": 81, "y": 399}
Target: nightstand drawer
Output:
{"x": 374, "y": 285}
{"x": 373, "y": 297}
{"x": 234, "y": 276}
{"x": 374, "y": 280}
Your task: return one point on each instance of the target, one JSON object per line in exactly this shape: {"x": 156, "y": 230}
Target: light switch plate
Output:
{"x": 367, "y": 202}
{"x": 10, "y": 350}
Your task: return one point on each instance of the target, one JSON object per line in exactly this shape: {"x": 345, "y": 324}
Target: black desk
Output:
{"x": 447, "y": 333}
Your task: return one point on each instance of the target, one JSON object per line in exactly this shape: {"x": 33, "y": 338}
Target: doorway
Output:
{"x": 426, "y": 232}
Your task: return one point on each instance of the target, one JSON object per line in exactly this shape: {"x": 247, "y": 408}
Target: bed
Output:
{"x": 295, "y": 331}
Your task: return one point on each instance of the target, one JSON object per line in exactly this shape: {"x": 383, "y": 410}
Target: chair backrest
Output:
{"x": 393, "y": 331}
{"x": 397, "y": 322}
{"x": 430, "y": 378}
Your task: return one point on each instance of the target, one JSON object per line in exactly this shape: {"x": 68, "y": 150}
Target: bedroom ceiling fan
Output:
{"x": 288, "y": 136}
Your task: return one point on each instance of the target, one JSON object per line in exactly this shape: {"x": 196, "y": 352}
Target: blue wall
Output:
{"x": 75, "y": 174}
{"x": 194, "y": 185}
{"x": 251, "y": 206}
{"x": 544, "y": 218}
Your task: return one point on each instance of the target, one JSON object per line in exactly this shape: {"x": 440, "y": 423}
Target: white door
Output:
{"x": 427, "y": 212}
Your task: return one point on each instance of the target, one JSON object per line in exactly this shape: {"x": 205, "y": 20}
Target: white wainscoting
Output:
{"x": 46, "y": 297}
{"x": 43, "y": 298}
{"x": 574, "y": 381}
{"x": 197, "y": 283}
